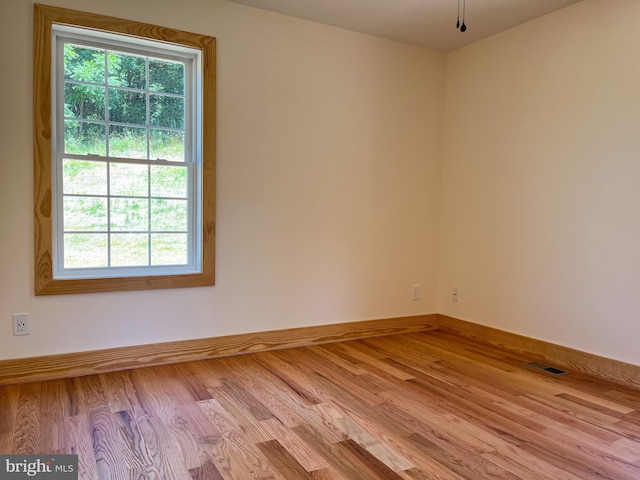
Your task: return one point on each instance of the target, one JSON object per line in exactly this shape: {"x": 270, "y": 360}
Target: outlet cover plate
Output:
{"x": 20, "y": 323}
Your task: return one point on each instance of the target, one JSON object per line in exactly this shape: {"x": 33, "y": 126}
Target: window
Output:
{"x": 124, "y": 154}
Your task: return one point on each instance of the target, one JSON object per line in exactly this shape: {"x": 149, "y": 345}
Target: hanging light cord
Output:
{"x": 461, "y": 26}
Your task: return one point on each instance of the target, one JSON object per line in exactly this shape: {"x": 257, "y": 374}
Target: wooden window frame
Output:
{"x": 44, "y": 18}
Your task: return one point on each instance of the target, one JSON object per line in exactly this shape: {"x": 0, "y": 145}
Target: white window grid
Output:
{"x": 191, "y": 59}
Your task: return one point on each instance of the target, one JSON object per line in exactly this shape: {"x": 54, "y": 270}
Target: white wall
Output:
{"x": 329, "y": 164}
{"x": 541, "y": 191}
{"x": 330, "y": 146}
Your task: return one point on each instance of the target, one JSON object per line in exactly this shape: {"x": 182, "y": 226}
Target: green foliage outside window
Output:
{"x": 126, "y": 106}
{"x": 118, "y": 101}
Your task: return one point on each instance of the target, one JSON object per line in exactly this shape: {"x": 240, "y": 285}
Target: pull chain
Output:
{"x": 461, "y": 26}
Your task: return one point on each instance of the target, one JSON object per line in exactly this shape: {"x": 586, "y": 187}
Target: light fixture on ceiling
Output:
{"x": 461, "y": 26}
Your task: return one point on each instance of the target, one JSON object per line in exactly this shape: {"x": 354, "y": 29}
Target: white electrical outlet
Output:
{"x": 454, "y": 295}
{"x": 20, "y": 323}
{"x": 415, "y": 292}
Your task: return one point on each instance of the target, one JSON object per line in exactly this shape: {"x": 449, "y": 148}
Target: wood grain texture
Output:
{"x": 101, "y": 361}
{"x": 556, "y": 355}
{"x": 459, "y": 410}
{"x": 44, "y": 17}
{"x": 42, "y": 154}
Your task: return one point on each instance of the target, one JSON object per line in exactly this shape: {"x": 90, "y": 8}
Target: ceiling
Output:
{"x": 428, "y": 23}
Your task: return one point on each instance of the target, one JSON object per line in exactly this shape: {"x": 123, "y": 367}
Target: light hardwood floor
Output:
{"x": 414, "y": 406}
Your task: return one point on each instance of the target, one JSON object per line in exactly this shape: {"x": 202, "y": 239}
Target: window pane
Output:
{"x": 87, "y": 250}
{"x": 166, "y": 76}
{"x": 169, "y": 249}
{"x": 161, "y": 100}
{"x": 129, "y": 180}
{"x": 127, "y": 107}
{"x": 128, "y": 250}
{"x": 167, "y": 145}
{"x": 165, "y": 111}
{"x": 168, "y": 181}
{"x": 82, "y": 177}
{"x": 129, "y": 214}
{"x": 127, "y": 142}
{"x": 83, "y": 101}
{"x": 168, "y": 215}
{"x": 83, "y": 64}
{"x": 126, "y": 70}
{"x": 84, "y": 138}
{"x": 85, "y": 214}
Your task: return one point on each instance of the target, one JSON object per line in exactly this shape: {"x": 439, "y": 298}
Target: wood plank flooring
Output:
{"x": 414, "y": 406}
